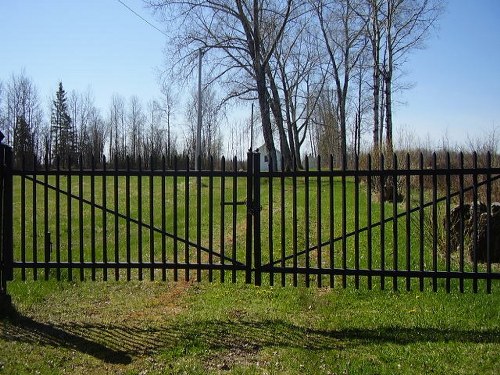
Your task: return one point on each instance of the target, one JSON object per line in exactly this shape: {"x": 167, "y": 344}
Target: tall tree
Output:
{"x": 117, "y": 132}
{"x": 212, "y": 116}
{"x": 62, "y": 131}
{"x": 22, "y": 116}
{"x": 166, "y": 105}
{"x": 136, "y": 121}
{"x": 395, "y": 28}
{"x": 244, "y": 35}
{"x": 301, "y": 79}
{"x": 343, "y": 33}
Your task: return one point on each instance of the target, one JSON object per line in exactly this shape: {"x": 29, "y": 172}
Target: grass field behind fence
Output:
{"x": 156, "y": 219}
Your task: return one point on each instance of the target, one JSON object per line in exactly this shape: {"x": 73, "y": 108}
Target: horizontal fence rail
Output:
{"x": 380, "y": 223}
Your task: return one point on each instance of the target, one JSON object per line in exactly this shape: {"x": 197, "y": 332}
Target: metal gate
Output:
{"x": 321, "y": 226}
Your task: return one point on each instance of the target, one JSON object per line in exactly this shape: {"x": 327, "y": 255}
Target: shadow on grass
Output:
{"x": 119, "y": 343}
{"x": 24, "y": 329}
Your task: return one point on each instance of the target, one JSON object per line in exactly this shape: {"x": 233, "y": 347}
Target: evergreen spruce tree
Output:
{"x": 24, "y": 146}
{"x": 62, "y": 132}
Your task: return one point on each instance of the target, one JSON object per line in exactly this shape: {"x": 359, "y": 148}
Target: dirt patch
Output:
{"x": 239, "y": 354}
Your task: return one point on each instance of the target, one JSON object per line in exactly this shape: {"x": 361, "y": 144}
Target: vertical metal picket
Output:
{"x": 256, "y": 219}
{"x": 249, "y": 231}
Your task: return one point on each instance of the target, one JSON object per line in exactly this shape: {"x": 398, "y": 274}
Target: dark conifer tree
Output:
{"x": 62, "y": 132}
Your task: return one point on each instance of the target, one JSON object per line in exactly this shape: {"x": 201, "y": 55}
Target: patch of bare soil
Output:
{"x": 238, "y": 354}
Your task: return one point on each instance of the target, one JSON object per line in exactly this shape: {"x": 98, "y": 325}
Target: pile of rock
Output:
{"x": 475, "y": 244}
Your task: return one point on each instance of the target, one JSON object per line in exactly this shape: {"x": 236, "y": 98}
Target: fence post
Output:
{"x": 6, "y": 235}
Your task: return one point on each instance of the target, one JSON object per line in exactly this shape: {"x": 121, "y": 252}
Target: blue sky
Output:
{"x": 99, "y": 44}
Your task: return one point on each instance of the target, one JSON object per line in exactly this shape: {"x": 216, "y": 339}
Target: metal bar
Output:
{"x": 151, "y": 219}
{"x": 35, "y": 226}
{"x": 249, "y": 220}
{"x": 270, "y": 227}
{"x": 139, "y": 219}
{"x": 163, "y": 218}
{"x": 382, "y": 221}
{"x": 222, "y": 217}
{"x": 241, "y": 203}
{"x": 211, "y": 217}
{"x": 222, "y": 220}
{"x": 306, "y": 221}
{"x": 46, "y": 213}
{"x": 474, "y": 221}
{"x": 186, "y": 220}
{"x": 283, "y": 223}
{"x": 92, "y": 219}
{"x": 356, "y": 220}
{"x": 421, "y": 222}
{"x": 462, "y": 227}
{"x": 80, "y": 217}
{"x": 395, "y": 238}
{"x": 408, "y": 222}
{"x": 127, "y": 213}
{"x": 104, "y": 219}
{"x": 176, "y": 213}
{"x": 319, "y": 260}
{"x": 448, "y": 221}
{"x": 23, "y": 213}
{"x": 235, "y": 195}
{"x": 116, "y": 222}
{"x": 332, "y": 222}
{"x": 344, "y": 221}
{"x": 369, "y": 221}
{"x": 489, "y": 230}
{"x": 256, "y": 219}
{"x": 434, "y": 226}
{"x": 294, "y": 224}
{"x": 58, "y": 217}
{"x": 198, "y": 221}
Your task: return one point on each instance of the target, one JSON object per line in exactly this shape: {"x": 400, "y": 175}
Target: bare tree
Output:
{"x": 243, "y": 35}
{"x": 154, "y": 139}
{"x": 343, "y": 33}
{"x": 22, "y": 117}
{"x": 166, "y": 105}
{"x": 136, "y": 120}
{"x": 90, "y": 126}
{"x": 301, "y": 78}
{"x": 212, "y": 114}
{"x": 117, "y": 131}
{"x": 395, "y": 28}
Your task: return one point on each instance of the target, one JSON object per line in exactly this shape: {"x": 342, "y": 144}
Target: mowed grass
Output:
{"x": 212, "y": 328}
{"x": 144, "y": 327}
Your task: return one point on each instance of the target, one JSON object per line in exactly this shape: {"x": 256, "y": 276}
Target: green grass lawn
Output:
{"x": 199, "y": 328}
{"x": 196, "y": 328}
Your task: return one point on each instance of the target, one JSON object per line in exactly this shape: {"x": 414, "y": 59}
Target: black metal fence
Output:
{"x": 425, "y": 226}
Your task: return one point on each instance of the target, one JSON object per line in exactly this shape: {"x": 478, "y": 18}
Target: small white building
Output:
{"x": 264, "y": 158}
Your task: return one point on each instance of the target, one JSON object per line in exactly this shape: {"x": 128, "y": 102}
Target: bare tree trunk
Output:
{"x": 275, "y": 104}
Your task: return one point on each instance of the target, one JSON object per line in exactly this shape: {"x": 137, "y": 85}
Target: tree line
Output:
{"x": 323, "y": 72}
{"x": 75, "y": 131}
